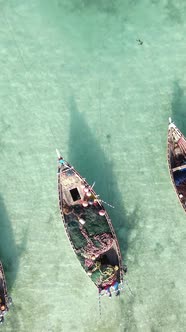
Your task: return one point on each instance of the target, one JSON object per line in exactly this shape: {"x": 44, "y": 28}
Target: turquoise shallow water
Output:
{"x": 73, "y": 77}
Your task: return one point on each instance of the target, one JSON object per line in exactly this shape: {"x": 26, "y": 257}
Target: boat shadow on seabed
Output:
{"x": 9, "y": 257}
{"x": 178, "y": 106}
{"x": 87, "y": 156}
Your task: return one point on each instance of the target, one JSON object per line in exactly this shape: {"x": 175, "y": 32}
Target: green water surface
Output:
{"x": 74, "y": 77}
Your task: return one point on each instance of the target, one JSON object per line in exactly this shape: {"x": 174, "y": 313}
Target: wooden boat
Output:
{"x": 176, "y": 156}
{"x": 90, "y": 230}
{"x": 5, "y": 301}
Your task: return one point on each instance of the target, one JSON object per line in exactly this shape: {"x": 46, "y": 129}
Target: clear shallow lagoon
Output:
{"x": 73, "y": 77}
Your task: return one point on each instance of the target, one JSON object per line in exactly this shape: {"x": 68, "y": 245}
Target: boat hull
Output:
{"x": 176, "y": 157}
{"x": 4, "y": 299}
{"x": 89, "y": 229}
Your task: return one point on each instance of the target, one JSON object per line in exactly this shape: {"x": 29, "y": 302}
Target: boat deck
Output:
{"x": 177, "y": 161}
{"x": 88, "y": 227}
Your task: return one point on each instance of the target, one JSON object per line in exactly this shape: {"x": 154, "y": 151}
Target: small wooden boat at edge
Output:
{"x": 5, "y": 301}
{"x": 176, "y": 156}
{"x": 89, "y": 230}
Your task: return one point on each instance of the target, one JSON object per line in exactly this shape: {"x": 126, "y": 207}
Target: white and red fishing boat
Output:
{"x": 176, "y": 156}
{"x": 5, "y": 301}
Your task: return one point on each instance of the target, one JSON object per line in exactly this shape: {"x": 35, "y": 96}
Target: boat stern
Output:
{"x": 114, "y": 289}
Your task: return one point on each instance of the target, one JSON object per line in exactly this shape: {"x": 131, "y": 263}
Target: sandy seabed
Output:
{"x": 74, "y": 77}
